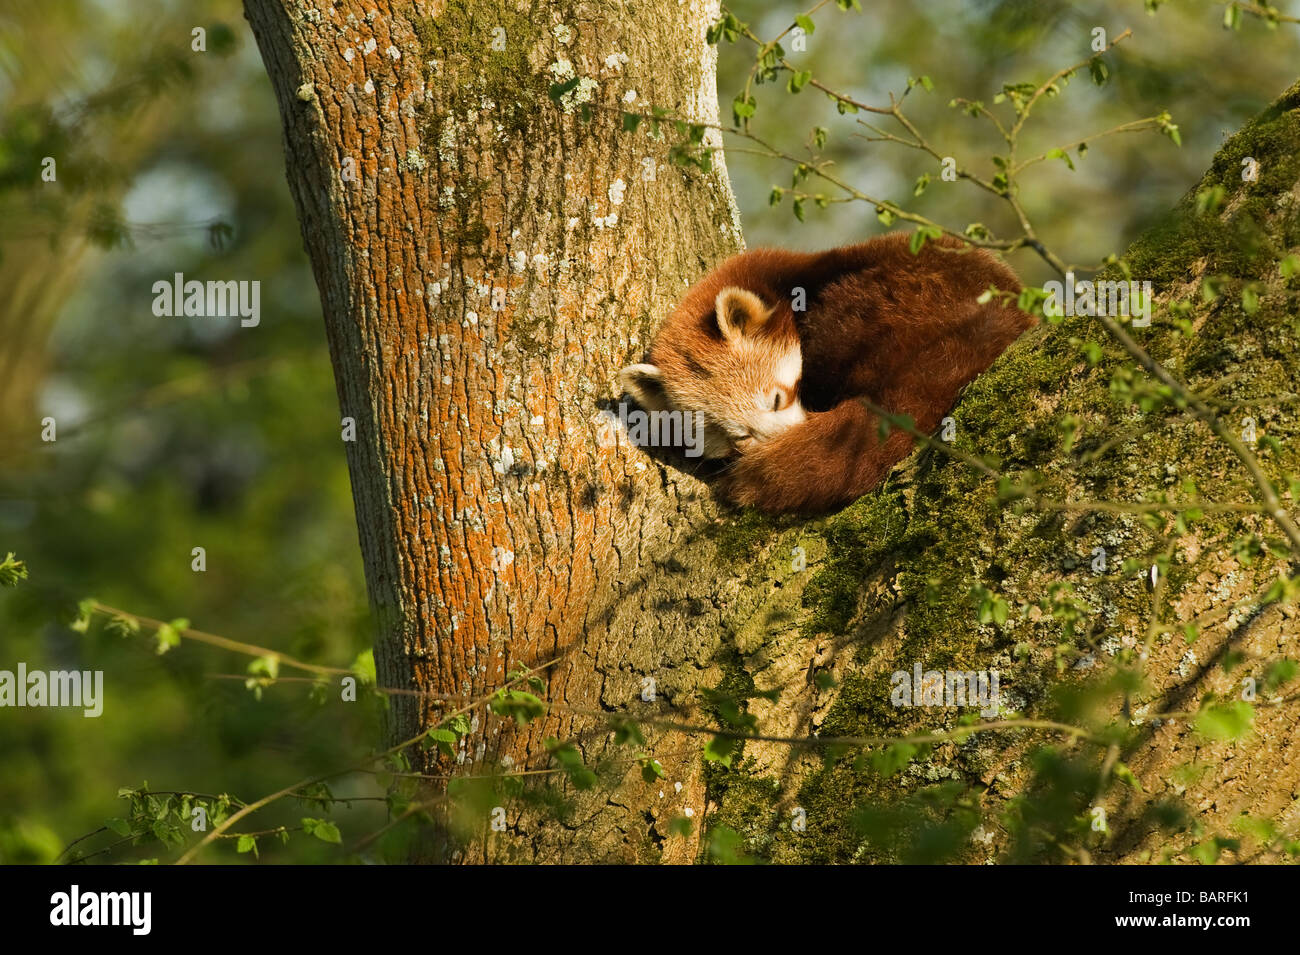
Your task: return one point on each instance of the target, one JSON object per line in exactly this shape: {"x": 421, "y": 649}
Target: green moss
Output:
{"x": 739, "y": 537}
{"x": 462, "y": 40}
{"x": 856, "y": 538}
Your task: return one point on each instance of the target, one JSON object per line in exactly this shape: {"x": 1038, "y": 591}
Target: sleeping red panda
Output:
{"x": 776, "y": 385}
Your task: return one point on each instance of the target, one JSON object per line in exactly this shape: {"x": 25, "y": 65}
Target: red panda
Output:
{"x": 777, "y": 386}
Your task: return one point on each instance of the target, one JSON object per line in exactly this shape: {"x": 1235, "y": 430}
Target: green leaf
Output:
{"x": 443, "y": 739}
{"x": 168, "y": 636}
{"x": 120, "y": 826}
{"x": 1124, "y": 774}
{"x": 326, "y": 831}
{"x": 524, "y": 707}
{"x": 1062, "y": 155}
{"x": 804, "y": 22}
{"x": 85, "y": 610}
{"x": 721, "y": 749}
{"x": 631, "y": 121}
{"x": 12, "y": 570}
{"x": 798, "y": 80}
{"x": 1225, "y": 721}
{"x": 743, "y": 108}
{"x": 892, "y": 758}
{"x": 1250, "y": 299}
{"x": 246, "y": 844}
{"x": 268, "y": 665}
{"x": 363, "y": 667}
{"x": 1279, "y": 672}
{"x": 1207, "y": 852}
{"x": 557, "y": 90}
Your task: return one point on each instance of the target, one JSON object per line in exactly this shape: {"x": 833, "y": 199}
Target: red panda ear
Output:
{"x": 740, "y": 312}
{"x": 646, "y": 386}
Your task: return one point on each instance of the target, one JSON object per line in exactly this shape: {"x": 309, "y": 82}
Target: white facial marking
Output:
{"x": 791, "y": 366}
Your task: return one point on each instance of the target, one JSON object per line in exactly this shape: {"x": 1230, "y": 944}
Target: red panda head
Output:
{"x": 735, "y": 364}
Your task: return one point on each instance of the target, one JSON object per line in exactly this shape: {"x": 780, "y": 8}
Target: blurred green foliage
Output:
{"x": 1180, "y": 59}
{"x": 171, "y": 434}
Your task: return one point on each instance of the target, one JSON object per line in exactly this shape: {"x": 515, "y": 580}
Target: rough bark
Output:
{"x": 495, "y": 263}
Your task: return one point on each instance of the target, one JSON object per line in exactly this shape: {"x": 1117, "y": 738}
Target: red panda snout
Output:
{"x": 736, "y": 367}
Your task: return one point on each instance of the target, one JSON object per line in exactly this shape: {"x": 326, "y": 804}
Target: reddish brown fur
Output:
{"x": 904, "y": 331}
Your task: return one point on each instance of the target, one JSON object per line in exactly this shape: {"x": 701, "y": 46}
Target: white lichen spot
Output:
{"x": 471, "y": 318}
{"x": 630, "y": 96}
{"x": 562, "y": 70}
{"x": 306, "y": 92}
{"x": 370, "y": 46}
{"x": 540, "y": 261}
{"x": 616, "y": 190}
{"x": 369, "y": 87}
{"x": 415, "y": 161}
{"x": 519, "y": 261}
{"x": 536, "y": 421}
{"x": 435, "y": 289}
{"x": 605, "y": 222}
{"x": 584, "y": 92}
{"x": 394, "y": 52}
{"x": 562, "y": 34}
{"x": 447, "y": 143}
{"x": 504, "y": 460}
{"x": 616, "y": 61}
{"x": 349, "y": 54}
{"x": 573, "y": 223}
{"x": 502, "y": 558}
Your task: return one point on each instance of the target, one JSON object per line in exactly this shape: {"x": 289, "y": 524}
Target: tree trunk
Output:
{"x": 487, "y": 260}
